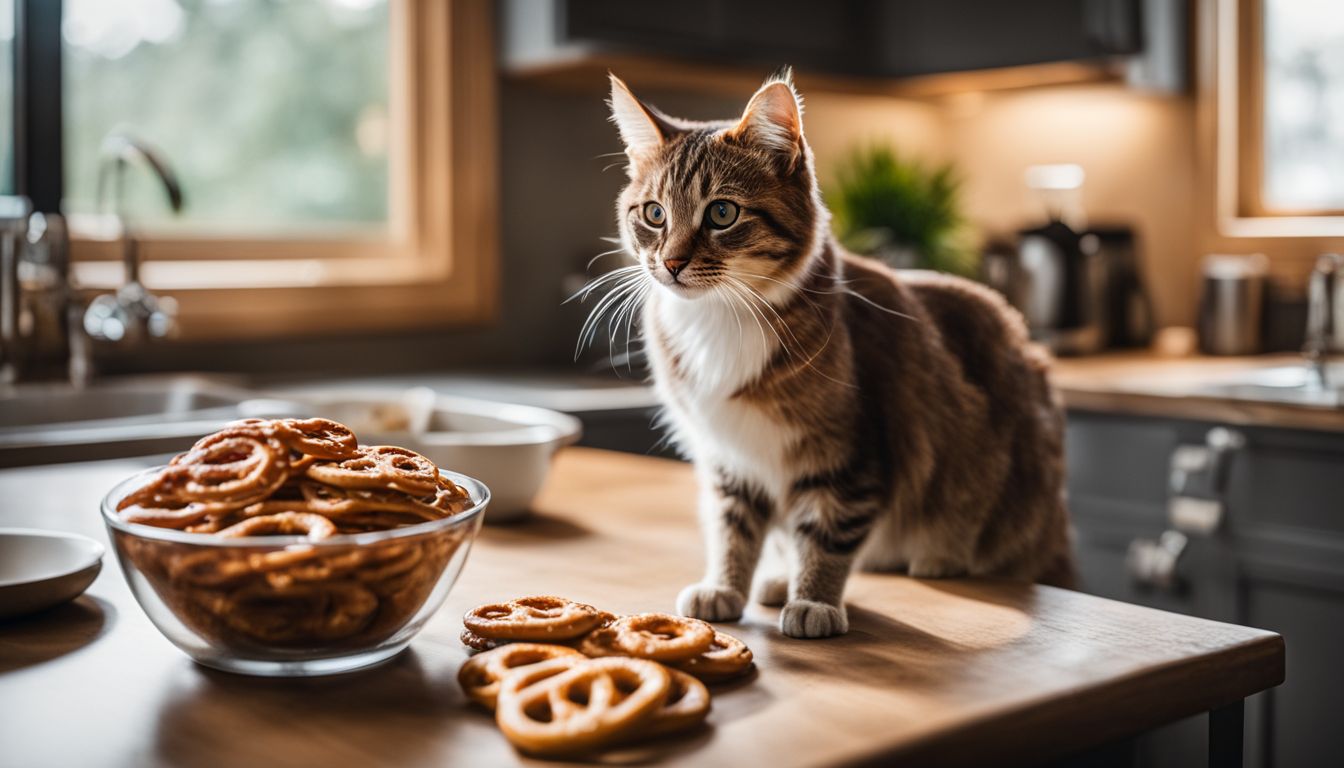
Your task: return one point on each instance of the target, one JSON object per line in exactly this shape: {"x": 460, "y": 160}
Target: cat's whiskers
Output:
{"x": 766, "y": 303}
{"x": 624, "y": 284}
{"x": 761, "y": 320}
{"x": 719, "y": 293}
{"x": 627, "y": 308}
{"x": 754, "y": 296}
{"x": 604, "y": 254}
{"x": 734, "y": 298}
{"x": 641, "y": 297}
{"x": 592, "y": 285}
{"x": 844, "y": 292}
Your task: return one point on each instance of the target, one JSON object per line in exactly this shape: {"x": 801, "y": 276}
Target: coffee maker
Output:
{"x": 1078, "y": 287}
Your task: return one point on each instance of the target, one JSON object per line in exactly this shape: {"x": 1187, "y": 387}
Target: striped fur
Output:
{"x": 848, "y": 413}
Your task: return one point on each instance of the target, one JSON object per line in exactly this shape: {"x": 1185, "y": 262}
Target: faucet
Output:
{"x": 133, "y": 312}
{"x": 1325, "y": 316}
{"x": 14, "y": 215}
{"x": 41, "y": 318}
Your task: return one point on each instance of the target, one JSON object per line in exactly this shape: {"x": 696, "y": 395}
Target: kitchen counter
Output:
{"x": 954, "y": 672}
{"x": 1147, "y": 384}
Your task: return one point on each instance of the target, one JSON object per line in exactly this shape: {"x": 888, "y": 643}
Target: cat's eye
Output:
{"x": 721, "y": 214}
{"x": 654, "y": 214}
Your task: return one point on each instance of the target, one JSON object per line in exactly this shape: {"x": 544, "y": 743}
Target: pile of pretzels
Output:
{"x": 292, "y": 477}
{"x": 564, "y": 678}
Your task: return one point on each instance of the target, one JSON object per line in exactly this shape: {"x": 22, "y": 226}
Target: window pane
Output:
{"x": 274, "y": 113}
{"x": 1304, "y": 104}
{"x": 6, "y": 97}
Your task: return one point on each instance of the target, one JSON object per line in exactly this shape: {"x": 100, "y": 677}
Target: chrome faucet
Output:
{"x": 41, "y": 318}
{"x": 1325, "y": 316}
{"x": 132, "y": 313}
{"x": 14, "y": 215}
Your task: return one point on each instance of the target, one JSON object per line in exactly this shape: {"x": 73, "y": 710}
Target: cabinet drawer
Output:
{"x": 1119, "y": 458}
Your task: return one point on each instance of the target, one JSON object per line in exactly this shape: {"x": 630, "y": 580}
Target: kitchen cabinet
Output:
{"x": 861, "y": 39}
{"x": 914, "y": 37}
{"x": 1276, "y": 561}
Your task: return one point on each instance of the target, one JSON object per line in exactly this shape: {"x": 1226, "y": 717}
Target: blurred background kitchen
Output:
{"x": 221, "y": 202}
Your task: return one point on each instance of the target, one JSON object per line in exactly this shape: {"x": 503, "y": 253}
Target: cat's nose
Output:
{"x": 675, "y": 266}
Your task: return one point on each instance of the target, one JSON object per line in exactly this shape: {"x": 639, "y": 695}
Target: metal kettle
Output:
{"x": 1061, "y": 288}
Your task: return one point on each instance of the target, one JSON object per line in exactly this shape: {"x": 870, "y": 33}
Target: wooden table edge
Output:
{"x": 1125, "y": 716}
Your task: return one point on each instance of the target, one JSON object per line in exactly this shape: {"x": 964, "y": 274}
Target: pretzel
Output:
{"x": 685, "y": 706}
{"x": 380, "y": 467}
{"x": 315, "y": 527}
{"x": 726, "y": 658}
{"x": 319, "y": 438}
{"x": 663, "y": 637}
{"x": 532, "y": 618}
{"x": 599, "y": 643}
{"x": 300, "y": 614}
{"x": 173, "y": 514}
{"x": 481, "y": 675}
{"x": 561, "y": 706}
{"x": 478, "y": 643}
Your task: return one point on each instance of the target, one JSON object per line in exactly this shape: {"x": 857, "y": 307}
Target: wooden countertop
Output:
{"x": 1147, "y": 384}
{"x": 957, "y": 672}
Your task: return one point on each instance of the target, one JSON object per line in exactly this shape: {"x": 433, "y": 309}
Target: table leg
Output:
{"x": 1225, "y": 735}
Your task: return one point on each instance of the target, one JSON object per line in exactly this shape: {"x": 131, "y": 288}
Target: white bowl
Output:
{"x": 40, "y": 569}
{"x": 507, "y": 447}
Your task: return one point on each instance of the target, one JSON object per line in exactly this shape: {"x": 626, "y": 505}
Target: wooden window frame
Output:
{"x": 437, "y": 266}
{"x": 1250, "y": 117}
{"x": 1230, "y": 141}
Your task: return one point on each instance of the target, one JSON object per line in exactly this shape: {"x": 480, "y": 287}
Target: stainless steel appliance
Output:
{"x": 1231, "y": 304}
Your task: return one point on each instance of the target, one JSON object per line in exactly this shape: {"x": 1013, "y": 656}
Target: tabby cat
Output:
{"x": 850, "y": 413}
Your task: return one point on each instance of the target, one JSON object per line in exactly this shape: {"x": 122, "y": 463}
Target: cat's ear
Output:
{"x": 642, "y": 128}
{"x": 773, "y": 119}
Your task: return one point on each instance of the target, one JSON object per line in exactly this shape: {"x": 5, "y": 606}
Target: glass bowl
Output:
{"x": 287, "y": 606}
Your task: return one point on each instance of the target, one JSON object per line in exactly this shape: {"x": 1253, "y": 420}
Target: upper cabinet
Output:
{"x": 860, "y": 40}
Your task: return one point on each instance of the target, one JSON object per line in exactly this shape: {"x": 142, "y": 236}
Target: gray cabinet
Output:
{"x": 863, "y": 38}
{"x": 1277, "y": 562}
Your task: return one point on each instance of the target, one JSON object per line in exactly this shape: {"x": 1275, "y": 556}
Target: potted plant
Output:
{"x": 902, "y": 212}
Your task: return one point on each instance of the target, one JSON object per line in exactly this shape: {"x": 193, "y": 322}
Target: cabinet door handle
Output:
{"x": 1199, "y": 476}
{"x": 1154, "y": 562}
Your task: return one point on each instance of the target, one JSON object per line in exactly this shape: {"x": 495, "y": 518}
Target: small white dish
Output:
{"x": 40, "y": 569}
{"x": 507, "y": 447}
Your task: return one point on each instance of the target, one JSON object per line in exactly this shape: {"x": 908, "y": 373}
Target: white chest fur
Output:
{"x": 712, "y": 350}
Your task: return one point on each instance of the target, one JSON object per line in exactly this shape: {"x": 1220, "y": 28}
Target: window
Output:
{"x": 337, "y": 158}
{"x": 1270, "y": 128}
{"x": 273, "y": 114}
{"x": 1301, "y": 53}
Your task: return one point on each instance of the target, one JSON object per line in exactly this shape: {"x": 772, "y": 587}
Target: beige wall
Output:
{"x": 1137, "y": 151}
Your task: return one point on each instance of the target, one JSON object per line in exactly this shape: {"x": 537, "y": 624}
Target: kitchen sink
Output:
{"x": 46, "y": 423}
{"x": 1294, "y": 384}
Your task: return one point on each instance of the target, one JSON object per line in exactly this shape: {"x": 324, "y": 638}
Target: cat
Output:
{"x": 851, "y": 414}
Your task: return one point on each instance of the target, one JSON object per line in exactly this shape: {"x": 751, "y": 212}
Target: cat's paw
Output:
{"x": 773, "y": 591}
{"x": 711, "y": 603}
{"x": 808, "y": 618}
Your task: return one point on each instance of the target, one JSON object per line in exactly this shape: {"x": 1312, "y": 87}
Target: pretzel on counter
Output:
{"x": 662, "y": 636}
{"x": 481, "y": 675}
{"x": 726, "y": 658}
{"x": 533, "y": 618}
{"x": 562, "y": 706}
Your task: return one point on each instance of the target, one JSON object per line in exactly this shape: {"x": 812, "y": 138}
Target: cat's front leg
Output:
{"x": 734, "y": 515}
{"x": 826, "y": 527}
